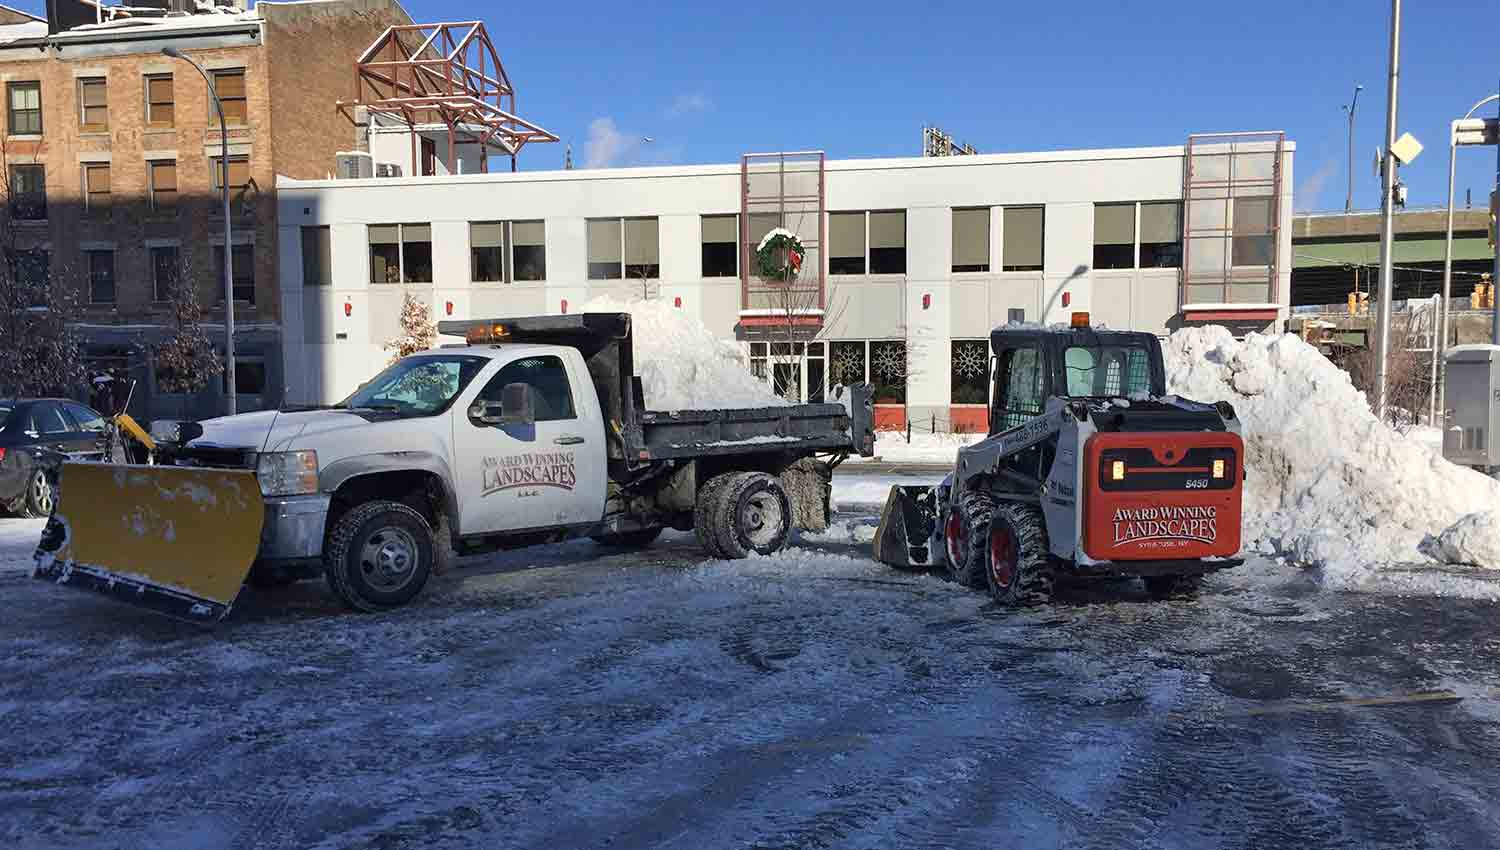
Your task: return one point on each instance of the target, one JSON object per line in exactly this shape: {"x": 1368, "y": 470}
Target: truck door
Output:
{"x": 550, "y": 473}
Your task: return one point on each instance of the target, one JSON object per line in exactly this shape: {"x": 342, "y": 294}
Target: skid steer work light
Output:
{"x": 1117, "y": 470}
{"x": 1219, "y": 468}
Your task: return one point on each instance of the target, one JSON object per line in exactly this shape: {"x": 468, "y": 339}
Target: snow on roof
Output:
{"x": 17, "y": 32}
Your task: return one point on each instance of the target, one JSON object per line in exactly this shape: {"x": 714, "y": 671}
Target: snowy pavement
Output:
{"x": 572, "y": 697}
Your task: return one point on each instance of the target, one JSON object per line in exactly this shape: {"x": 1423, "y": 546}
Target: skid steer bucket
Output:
{"x": 906, "y": 525}
{"x": 176, "y": 540}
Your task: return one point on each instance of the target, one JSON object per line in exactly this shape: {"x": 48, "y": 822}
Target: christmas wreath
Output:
{"x": 779, "y": 255}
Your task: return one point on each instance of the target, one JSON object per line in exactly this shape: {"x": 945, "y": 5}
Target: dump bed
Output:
{"x": 642, "y": 436}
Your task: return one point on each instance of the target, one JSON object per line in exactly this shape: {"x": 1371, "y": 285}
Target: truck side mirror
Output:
{"x": 516, "y": 405}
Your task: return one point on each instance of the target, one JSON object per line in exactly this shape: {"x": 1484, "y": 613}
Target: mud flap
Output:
{"x": 176, "y": 540}
{"x": 906, "y": 525}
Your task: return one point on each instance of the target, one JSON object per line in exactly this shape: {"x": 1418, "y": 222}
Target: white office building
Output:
{"x": 910, "y": 262}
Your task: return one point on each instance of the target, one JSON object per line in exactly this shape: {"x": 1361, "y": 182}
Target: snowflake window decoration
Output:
{"x": 849, "y": 364}
{"x": 889, "y": 362}
{"x": 969, "y": 361}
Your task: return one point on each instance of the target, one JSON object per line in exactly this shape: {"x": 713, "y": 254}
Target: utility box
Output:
{"x": 1471, "y": 423}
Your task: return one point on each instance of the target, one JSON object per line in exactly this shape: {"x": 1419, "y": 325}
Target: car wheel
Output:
{"x": 1018, "y": 567}
{"x": 41, "y": 496}
{"x": 379, "y": 556}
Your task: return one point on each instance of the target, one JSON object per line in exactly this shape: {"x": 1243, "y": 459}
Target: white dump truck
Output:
{"x": 533, "y": 431}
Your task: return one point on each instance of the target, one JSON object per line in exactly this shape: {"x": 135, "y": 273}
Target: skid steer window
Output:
{"x": 1020, "y": 387}
{"x": 1107, "y": 370}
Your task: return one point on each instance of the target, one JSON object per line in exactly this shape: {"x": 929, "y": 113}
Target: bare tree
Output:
{"x": 39, "y": 334}
{"x": 185, "y": 358}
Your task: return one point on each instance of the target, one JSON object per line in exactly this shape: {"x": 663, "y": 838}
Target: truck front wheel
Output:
{"x": 753, "y": 514}
{"x": 379, "y": 556}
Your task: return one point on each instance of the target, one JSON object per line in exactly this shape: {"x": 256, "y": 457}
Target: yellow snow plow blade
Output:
{"x": 176, "y": 540}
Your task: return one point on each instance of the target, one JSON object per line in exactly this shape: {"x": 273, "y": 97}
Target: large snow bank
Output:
{"x": 1328, "y": 484}
{"x": 682, "y": 365}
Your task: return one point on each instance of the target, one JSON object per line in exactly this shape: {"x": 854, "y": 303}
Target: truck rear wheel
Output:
{"x": 704, "y": 510}
{"x": 1018, "y": 567}
{"x": 966, "y": 536}
{"x": 753, "y": 514}
{"x": 379, "y": 556}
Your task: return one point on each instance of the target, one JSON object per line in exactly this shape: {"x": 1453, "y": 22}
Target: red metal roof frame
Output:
{"x": 445, "y": 73}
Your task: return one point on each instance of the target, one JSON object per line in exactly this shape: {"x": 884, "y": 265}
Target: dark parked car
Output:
{"x": 36, "y": 435}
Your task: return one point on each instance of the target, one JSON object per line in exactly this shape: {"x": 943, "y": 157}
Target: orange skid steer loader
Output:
{"x": 1090, "y": 470}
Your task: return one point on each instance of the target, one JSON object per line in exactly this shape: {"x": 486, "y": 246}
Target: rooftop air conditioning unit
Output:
{"x": 387, "y": 169}
{"x": 354, "y": 165}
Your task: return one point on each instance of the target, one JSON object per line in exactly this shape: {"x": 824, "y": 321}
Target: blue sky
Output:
{"x": 708, "y": 82}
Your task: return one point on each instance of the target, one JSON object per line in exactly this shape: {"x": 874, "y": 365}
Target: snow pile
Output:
{"x": 892, "y": 447}
{"x": 1328, "y": 484}
{"x": 682, "y": 365}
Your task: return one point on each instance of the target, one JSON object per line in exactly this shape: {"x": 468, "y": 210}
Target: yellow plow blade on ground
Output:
{"x": 177, "y": 540}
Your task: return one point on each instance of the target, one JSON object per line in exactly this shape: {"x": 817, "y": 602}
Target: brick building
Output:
{"x": 112, "y": 154}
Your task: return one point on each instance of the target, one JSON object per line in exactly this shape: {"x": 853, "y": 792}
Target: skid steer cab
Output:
{"x": 1090, "y": 470}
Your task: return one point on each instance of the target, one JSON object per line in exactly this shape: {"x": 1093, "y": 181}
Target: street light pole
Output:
{"x": 1353, "y": 105}
{"x": 1440, "y": 341}
{"x": 1387, "y": 217}
{"x": 231, "y": 394}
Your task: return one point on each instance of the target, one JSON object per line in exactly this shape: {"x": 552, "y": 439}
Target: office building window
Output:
{"x": 230, "y": 85}
{"x": 28, "y": 192}
{"x": 249, "y": 376}
{"x": 1161, "y": 235}
{"x": 24, "y": 102}
{"x": 623, "y": 247}
{"x": 96, "y": 188}
{"x": 970, "y": 371}
{"x": 101, "y": 276}
{"x": 32, "y": 274}
{"x": 239, "y": 176}
{"x": 888, "y": 371}
{"x": 604, "y": 256}
{"x": 1252, "y": 232}
{"x": 487, "y": 251}
{"x": 971, "y": 240}
{"x": 163, "y": 176}
{"x": 846, "y": 243}
{"x": 642, "y": 248}
{"x": 400, "y": 253}
{"x": 1021, "y": 247}
{"x": 317, "y": 257}
{"x": 528, "y": 250}
{"x": 888, "y": 242}
{"x": 721, "y": 248}
{"x": 165, "y": 272}
{"x": 93, "y": 105}
{"x": 160, "y": 102}
{"x": 244, "y": 273}
{"x": 416, "y": 253}
{"x": 1114, "y": 236}
{"x": 846, "y": 363}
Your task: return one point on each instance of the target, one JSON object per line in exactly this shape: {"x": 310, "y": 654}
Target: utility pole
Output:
{"x": 1349, "y": 108}
{"x": 1387, "y": 217}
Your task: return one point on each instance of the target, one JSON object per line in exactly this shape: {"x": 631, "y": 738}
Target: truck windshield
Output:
{"x": 1108, "y": 370}
{"x": 420, "y": 385}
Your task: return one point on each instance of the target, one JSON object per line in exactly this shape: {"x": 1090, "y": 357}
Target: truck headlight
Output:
{"x": 287, "y": 473}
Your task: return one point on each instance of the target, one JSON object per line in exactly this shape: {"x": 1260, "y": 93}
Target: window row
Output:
{"x": 1144, "y": 234}
{"x": 159, "y": 102}
{"x": 32, "y": 272}
{"x": 28, "y": 186}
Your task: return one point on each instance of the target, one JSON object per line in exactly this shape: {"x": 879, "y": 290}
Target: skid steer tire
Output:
{"x": 753, "y": 514}
{"x": 704, "y": 510}
{"x": 379, "y": 556}
{"x": 966, "y": 537}
{"x": 638, "y": 539}
{"x": 40, "y": 496}
{"x": 1018, "y": 566}
{"x": 1173, "y": 587}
